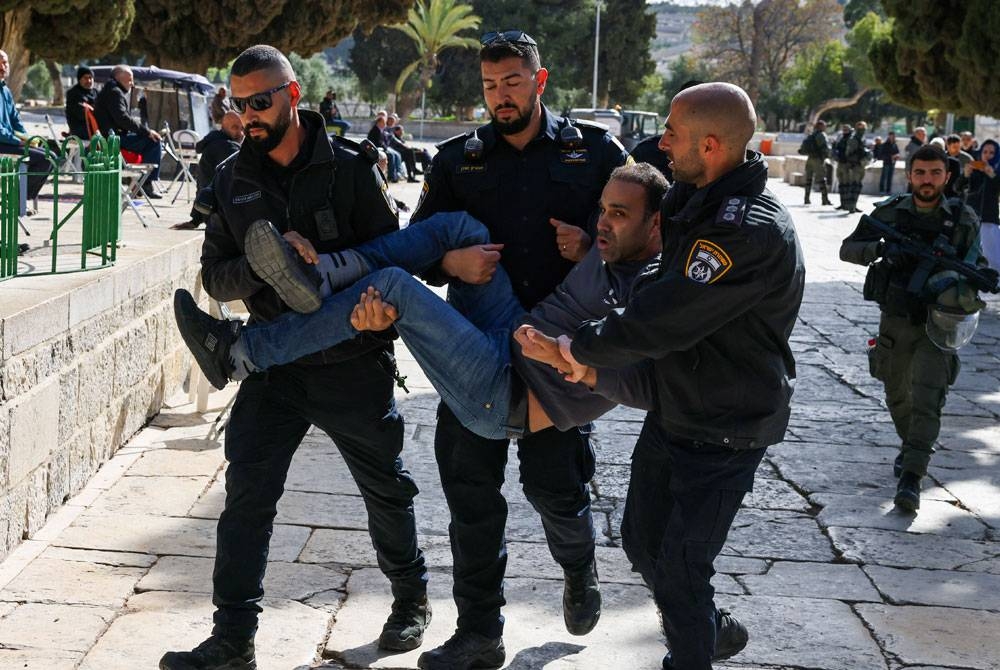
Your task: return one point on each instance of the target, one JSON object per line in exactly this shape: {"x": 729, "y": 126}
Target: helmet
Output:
{"x": 950, "y": 328}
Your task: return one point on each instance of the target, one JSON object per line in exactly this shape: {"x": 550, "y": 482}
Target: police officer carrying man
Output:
{"x": 324, "y": 195}
{"x": 534, "y": 179}
{"x": 816, "y": 148}
{"x": 916, "y": 369}
{"x": 711, "y": 332}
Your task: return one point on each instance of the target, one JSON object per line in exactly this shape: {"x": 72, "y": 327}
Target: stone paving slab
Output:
{"x": 778, "y": 535}
{"x": 914, "y": 586}
{"x": 813, "y": 580}
{"x": 48, "y": 580}
{"x": 47, "y": 627}
{"x": 158, "y": 621}
{"x": 939, "y": 518}
{"x": 902, "y": 550}
{"x": 535, "y": 637}
{"x": 913, "y": 635}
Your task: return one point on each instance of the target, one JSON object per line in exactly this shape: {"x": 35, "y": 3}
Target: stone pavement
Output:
{"x": 825, "y": 573}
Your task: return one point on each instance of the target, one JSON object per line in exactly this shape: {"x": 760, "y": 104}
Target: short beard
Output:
{"x": 938, "y": 192}
{"x": 267, "y": 144}
{"x": 517, "y": 125}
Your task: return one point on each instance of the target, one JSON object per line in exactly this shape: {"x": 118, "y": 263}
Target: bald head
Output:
{"x": 232, "y": 126}
{"x": 722, "y": 110}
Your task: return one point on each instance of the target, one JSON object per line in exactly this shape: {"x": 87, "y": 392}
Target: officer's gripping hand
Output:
{"x": 892, "y": 252}
{"x": 572, "y": 241}
{"x": 538, "y": 346}
{"x": 473, "y": 265}
{"x": 372, "y": 313}
{"x": 578, "y": 371}
{"x": 303, "y": 246}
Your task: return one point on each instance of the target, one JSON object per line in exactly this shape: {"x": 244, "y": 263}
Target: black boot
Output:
{"x": 730, "y": 636}
{"x": 581, "y": 599}
{"x": 404, "y": 629}
{"x": 274, "y": 260}
{"x": 826, "y": 197}
{"x": 464, "y": 650}
{"x": 908, "y": 492}
{"x": 897, "y": 465}
{"x": 208, "y": 338}
{"x": 215, "y": 653}
{"x": 808, "y": 191}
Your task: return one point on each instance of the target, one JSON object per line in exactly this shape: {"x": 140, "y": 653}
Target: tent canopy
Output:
{"x": 184, "y": 80}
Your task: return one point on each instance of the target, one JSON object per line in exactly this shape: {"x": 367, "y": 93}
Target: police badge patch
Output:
{"x": 424, "y": 190}
{"x": 707, "y": 262}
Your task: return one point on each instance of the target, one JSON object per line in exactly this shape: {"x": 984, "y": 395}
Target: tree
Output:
{"x": 193, "y": 34}
{"x": 51, "y": 29}
{"x": 377, "y": 58}
{"x": 313, "y": 75}
{"x": 940, "y": 55}
{"x": 855, "y": 10}
{"x": 627, "y": 30}
{"x": 753, "y": 44}
{"x": 435, "y": 26}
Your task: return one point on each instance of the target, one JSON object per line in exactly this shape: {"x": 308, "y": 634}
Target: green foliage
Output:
{"x": 941, "y": 55}
{"x": 194, "y": 35}
{"x": 435, "y": 26}
{"x": 855, "y": 10}
{"x": 816, "y": 75}
{"x": 627, "y": 29}
{"x": 83, "y": 29}
{"x": 38, "y": 84}
{"x": 313, "y": 74}
{"x": 682, "y": 70}
{"x": 866, "y": 31}
{"x": 377, "y": 58}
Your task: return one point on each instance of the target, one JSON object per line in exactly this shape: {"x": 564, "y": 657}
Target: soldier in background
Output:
{"x": 816, "y": 149}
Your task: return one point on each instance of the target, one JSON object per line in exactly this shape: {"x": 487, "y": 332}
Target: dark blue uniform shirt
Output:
{"x": 514, "y": 193}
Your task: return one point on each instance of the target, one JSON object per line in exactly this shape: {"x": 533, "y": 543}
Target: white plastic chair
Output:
{"x": 180, "y": 145}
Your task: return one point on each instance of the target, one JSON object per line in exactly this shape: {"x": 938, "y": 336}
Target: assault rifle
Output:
{"x": 934, "y": 258}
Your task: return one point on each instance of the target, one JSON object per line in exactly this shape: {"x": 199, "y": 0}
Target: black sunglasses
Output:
{"x": 513, "y": 36}
{"x": 258, "y": 101}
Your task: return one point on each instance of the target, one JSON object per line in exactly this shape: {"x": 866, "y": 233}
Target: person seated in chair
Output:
{"x": 83, "y": 93}
{"x": 13, "y": 135}
{"x": 214, "y": 148}
{"x": 113, "y": 114}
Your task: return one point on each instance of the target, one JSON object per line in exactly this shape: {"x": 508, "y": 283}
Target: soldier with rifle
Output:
{"x": 925, "y": 268}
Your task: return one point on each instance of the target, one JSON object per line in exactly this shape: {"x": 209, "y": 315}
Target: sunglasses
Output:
{"x": 513, "y": 36}
{"x": 258, "y": 101}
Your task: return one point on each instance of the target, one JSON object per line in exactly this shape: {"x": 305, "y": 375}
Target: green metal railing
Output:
{"x": 100, "y": 206}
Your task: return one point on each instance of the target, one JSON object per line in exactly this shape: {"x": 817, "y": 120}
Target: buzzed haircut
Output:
{"x": 953, "y": 139}
{"x": 928, "y": 152}
{"x": 260, "y": 57}
{"x": 500, "y": 48}
{"x": 723, "y": 110}
{"x": 646, "y": 176}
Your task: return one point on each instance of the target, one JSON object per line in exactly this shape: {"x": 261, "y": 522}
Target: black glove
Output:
{"x": 892, "y": 252}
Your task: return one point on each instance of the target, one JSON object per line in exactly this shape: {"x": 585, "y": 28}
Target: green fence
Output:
{"x": 100, "y": 206}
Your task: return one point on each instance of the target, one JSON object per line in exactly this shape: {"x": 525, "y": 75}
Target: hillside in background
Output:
{"x": 673, "y": 33}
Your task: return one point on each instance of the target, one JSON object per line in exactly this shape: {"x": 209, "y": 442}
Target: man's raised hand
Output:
{"x": 372, "y": 313}
{"x": 473, "y": 265}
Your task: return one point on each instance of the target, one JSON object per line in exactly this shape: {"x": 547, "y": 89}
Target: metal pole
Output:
{"x": 423, "y": 111}
{"x": 597, "y": 43}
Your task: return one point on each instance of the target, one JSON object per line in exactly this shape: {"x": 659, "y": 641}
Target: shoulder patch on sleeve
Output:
{"x": 452, "y": 140}
{"x": 707, "y": 262}
{"x": 424, "y": 190}
{"x": 731, "y": 211}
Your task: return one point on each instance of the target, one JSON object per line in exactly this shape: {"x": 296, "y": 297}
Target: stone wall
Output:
{"x": 85, "y": 361}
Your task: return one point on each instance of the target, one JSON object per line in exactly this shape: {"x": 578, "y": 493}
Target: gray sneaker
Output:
{"x": 280, "y": 266}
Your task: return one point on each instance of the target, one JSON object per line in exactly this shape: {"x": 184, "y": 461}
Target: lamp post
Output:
{"x": 597, "y": 42}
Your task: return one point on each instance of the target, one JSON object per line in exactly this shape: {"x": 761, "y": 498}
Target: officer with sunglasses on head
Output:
{"x": 324, "y": 195}
{"x": 534, "y": 179}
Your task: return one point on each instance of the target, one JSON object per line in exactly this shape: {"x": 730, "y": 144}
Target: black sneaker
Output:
{"x": 464, "y": 651}
{"x": 897, "y": 465}
{"x": 208, "y": 338}
{"x": 215, "y": 653}
{"x": 908, "y": 492}
{"x": 730, "y": 636}
{"x": 581, "y": 600}
{"x": 274, "y": 260}
{"x": 404, "y": 629}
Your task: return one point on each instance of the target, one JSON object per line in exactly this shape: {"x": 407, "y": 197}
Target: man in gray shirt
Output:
{"x": 464, "y": 347}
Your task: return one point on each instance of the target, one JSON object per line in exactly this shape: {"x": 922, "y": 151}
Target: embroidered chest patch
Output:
{"x": 574, "y": 156}
{"x": 246, "y": 197}
{"x": 707, "y": 262}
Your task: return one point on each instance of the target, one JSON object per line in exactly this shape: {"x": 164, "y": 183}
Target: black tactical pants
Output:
{"x": 555, "y": 468}
{"x": 353, "y": 403}
{"x": 682, "y": 499}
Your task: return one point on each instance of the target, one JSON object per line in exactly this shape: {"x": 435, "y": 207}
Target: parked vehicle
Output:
{"x": 629, "y": 125}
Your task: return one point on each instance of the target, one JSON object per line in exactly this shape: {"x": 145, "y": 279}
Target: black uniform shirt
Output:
{"x": 514, "y": 193}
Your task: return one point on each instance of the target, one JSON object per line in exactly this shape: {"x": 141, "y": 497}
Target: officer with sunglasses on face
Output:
{"x": 324, "y": 195}
{"x": 534, "y": 179}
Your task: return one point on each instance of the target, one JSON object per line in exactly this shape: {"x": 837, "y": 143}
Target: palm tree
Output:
{"x": 434, "y": 25}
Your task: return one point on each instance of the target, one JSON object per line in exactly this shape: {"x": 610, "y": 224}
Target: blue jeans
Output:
{"x": 462, "y": 347}
{"x": 395, "y": 164}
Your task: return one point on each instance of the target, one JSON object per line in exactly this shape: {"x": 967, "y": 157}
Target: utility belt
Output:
{"x": 888, "y": 288}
